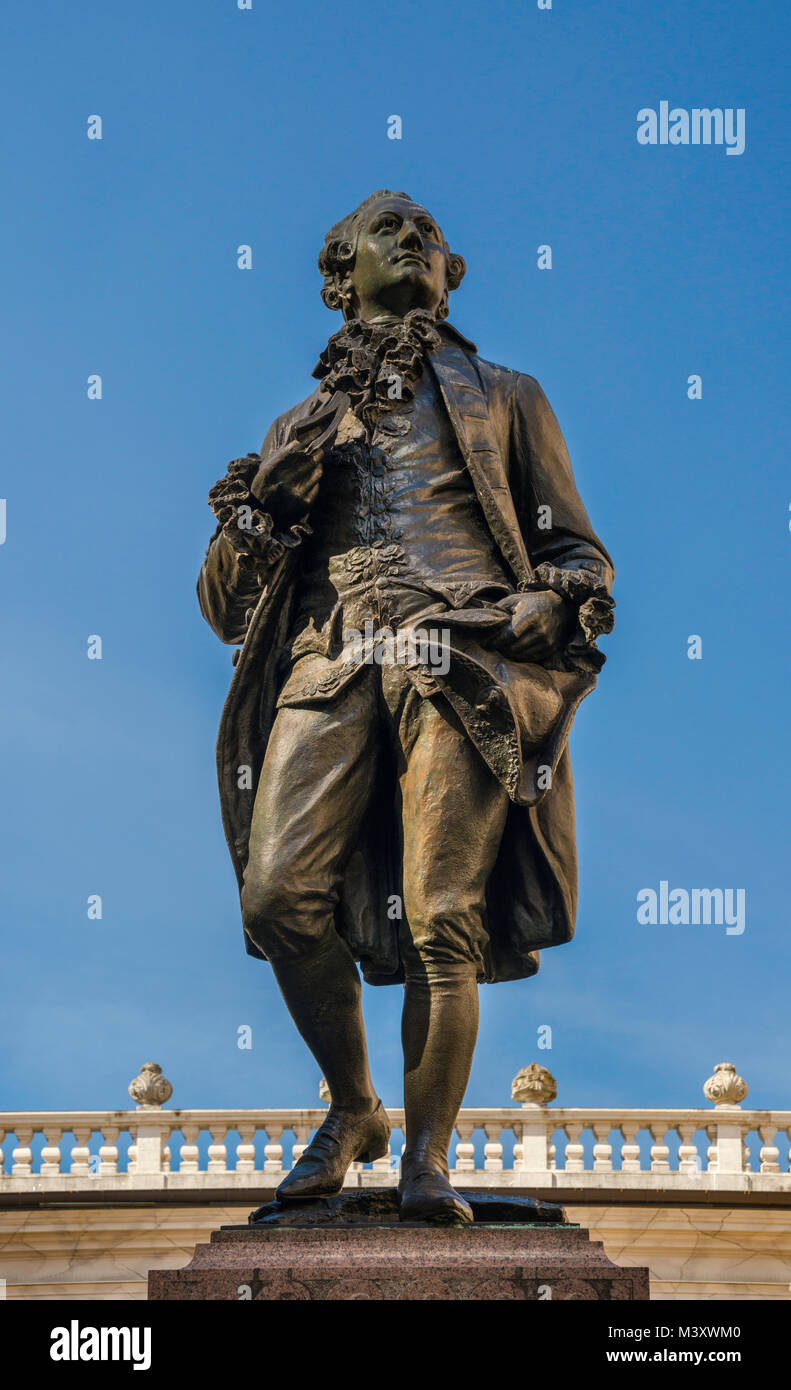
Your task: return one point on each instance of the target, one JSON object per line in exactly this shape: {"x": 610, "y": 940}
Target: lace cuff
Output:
{"x": 594, "y": 608}
{"x": 250, "y": 530}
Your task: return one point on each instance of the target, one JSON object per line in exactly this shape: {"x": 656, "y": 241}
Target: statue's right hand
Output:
{"x": 296, "y": 467}
{"x": 288, "y": 473}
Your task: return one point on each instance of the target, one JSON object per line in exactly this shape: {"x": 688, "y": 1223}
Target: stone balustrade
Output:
{"x": 707, "y": 1154}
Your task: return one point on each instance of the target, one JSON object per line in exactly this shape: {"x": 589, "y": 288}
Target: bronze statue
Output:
{"x": 417, "y": 592}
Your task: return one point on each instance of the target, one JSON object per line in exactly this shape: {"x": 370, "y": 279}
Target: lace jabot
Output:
{"x": 378, "y": 364}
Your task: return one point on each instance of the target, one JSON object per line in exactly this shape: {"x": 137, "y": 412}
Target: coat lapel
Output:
{"x": 469, "y": 414}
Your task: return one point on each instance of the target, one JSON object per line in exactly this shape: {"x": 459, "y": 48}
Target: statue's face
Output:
{"x": 400, "y": 260}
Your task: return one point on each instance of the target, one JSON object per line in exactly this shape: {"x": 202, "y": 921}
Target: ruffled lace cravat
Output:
{"x": 378, "y": 364}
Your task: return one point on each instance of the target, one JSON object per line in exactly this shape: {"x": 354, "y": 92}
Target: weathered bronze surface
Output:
{"x": 379, "y": 1206}
{"x": 417, "y": 592}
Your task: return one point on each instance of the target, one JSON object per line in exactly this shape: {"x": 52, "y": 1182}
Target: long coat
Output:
{"x": 519, "y": 466}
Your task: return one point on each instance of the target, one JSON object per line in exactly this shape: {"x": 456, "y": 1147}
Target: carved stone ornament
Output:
{"x": 725, "y": 1087}
{"x": 534, "y": 1085}
{"x": 150, "y": 1088}
{"x": 324, "y": 1092}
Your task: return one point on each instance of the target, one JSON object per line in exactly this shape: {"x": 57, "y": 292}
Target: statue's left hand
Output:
{"x": 540, "y": 624}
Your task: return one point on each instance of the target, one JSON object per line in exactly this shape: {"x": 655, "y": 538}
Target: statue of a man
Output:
{"x": 417, "y": 591}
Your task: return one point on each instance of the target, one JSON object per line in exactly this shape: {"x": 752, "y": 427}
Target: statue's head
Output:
{"x": 387, "y": 257}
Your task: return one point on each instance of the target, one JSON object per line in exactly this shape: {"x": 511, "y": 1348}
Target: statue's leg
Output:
{"x": 315, "y": 785}
{"x": 453, "y": 814}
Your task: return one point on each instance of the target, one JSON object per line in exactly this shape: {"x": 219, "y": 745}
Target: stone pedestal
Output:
{"x": 327, "y": 1251}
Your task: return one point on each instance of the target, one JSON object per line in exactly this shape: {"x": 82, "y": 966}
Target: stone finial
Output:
{"x": 150, "y": 1088}
{"x": 725, "y": 1087}
{"x": 324, "y": 1092}
{"x": 534, "y": 1085}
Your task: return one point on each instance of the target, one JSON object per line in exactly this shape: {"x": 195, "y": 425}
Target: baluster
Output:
{"x": 80, "y": 1152}
{"x": 273, "y": 1149}
{"x": 493, "y": 1149}
{"x": 552, "y": 1157}
{"x": 384, "y": 1164}
{"x": 630, "y": 1149}
{"x": 245, "y": 1149}
{"x": 50, "y": 1154}
{"x": 189, "y": 1152}
{"x": 218, "y": 1154}
{"x": 770, "y": 1154}
{"x": 22, "y": 1155}
{"x": 711, "y": 1152}
{"x": 688, "y": 1156}
{"x": 108, "y": 1152}
{"x": 602, "y": 1149}
{"x": 2, "y": 1155}
{"x": 465, "y": 1151}
{"x": 660, "y": 1151}
{"x": 575, "y": 1151}
{"x": 302, "y": 1133}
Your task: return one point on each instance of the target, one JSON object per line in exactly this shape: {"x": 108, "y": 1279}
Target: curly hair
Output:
{"x": 337, "y": 255}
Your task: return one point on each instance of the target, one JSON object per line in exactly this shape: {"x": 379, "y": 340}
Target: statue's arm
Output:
{"x": 262, "y": 506}
{"x": 570, "y": 605}
{"x": 555, "y": 524}
{"x": 243, "y": 549}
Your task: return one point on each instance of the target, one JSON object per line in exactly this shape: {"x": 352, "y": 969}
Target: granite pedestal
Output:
{"x": 354, "y": 1247}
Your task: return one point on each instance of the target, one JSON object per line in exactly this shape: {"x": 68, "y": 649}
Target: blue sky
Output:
{"x": 223, "y": 127}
